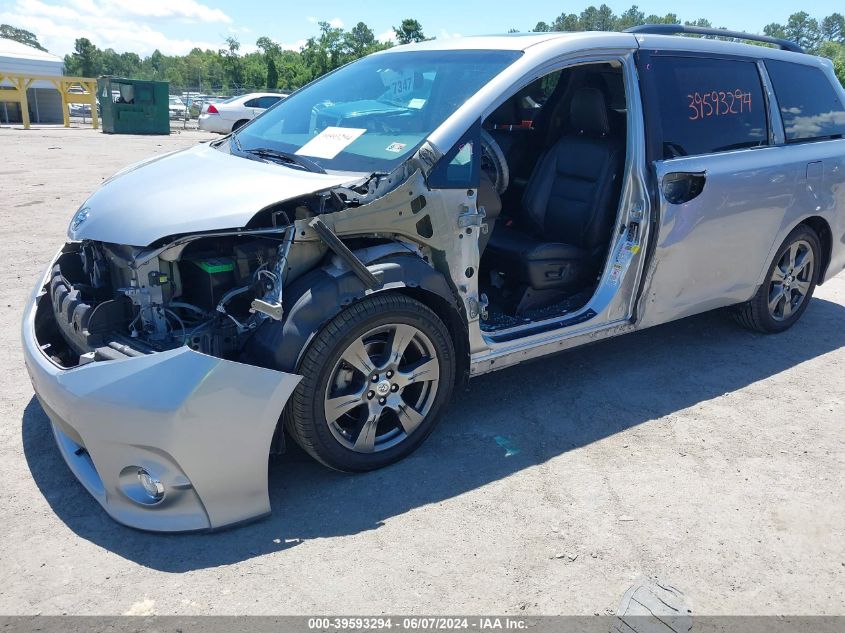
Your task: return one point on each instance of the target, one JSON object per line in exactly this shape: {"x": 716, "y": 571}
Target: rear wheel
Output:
{"x": 375, "y": 381}
{"x": 239, "y": 124}
{"x": 790, "y": 282}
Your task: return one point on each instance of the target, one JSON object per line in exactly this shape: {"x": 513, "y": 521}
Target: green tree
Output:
{"x": 268, "y": 47}
{"x": 272, "y": 75}
{"x": 631, "y": 17}
{"x": 409, "y": 31}
{"x": 541, "y": 27}
{"x": 601, "y": 19}
{"x": 359, "y": 40}
{"x": 86, "y": 59}
{"x": 833, "y": 28}
{"x": 669, "y": 18}
{"x": 566, "y": 22}
{"x": 803, "y": 30}
{"x": 232, "y": 62}
{"x": 23, "y": 36}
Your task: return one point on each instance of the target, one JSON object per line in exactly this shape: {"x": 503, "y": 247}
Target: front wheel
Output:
{"x": 375, "y": 381}
{"x": 790, "y": 281}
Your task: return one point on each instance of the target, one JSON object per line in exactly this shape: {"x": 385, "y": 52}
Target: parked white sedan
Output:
{"x": 227, "y": 116}
{"x": 177, "y": 108}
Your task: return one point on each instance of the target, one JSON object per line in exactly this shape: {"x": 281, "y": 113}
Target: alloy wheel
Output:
{"x": 381, "y": 388}
{"x": 791, "y": 280}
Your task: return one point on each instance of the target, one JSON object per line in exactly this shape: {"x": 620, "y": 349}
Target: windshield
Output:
{"x": 370, "y": 115}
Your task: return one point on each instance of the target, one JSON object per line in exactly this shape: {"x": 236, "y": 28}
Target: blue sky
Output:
{"x": 176, "y": 26}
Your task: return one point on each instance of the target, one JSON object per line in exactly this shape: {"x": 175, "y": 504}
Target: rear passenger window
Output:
{"x": 809, "y": 106}
{"x": 706, "y": 105}
{"x": 266, "y": 102}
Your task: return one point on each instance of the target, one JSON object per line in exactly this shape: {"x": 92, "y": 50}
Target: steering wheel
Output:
{"x": 493, "y": 162}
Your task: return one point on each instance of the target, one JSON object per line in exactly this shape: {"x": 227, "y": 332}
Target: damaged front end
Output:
{"x": 134, "y": 356}
{"x": 164, "y": 369}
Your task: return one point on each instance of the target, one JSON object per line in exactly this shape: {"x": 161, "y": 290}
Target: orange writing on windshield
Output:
{"x": 715, "y": 103}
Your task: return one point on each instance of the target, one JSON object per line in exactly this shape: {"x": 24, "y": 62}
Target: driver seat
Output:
{"x": 569, "y": 204}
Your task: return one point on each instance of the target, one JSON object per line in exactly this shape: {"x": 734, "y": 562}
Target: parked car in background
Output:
{"x": 227, "y": 116}
{"x": 81, "y": 109}
{"x": 177, "y": 108}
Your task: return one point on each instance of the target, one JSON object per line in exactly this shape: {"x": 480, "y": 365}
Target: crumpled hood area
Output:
{"x": 196, "y": 190}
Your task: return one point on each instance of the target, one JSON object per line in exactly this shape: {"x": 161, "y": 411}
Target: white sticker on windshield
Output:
{"x": 330, "y": 142}
{"x": 416, "y": 104}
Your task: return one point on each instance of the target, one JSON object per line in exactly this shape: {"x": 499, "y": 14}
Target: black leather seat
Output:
{"x": 569, "y": 205}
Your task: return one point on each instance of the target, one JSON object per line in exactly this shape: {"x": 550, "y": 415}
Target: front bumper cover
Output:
{"x": 202, "y": 425}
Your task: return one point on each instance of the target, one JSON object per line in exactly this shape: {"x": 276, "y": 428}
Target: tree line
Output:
{"x": 825, "y": 37}
{"x": 229, "y": 70}
{"x": 271, "y": 67}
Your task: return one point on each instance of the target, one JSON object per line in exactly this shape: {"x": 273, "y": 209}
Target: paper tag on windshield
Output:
{"x": 330, "y": 142}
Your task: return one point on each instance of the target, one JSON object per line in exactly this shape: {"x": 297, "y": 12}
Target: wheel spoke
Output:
{"x": 778, "y": 275}
{"x": 775, "y": 297}
{"x": 787, "y": 304}
{"x": 400, "y": 337}
{"x": 409, "y": 418}
{"x": 356, "y": 355}
{"x": 802, "y": 262}
{"x": 425, "y": 370}
{"x": 366, "y": 440}
{"x": 791, "y": 254}
{"x": 803, "y": 287}
{"x": 336, "y": 407}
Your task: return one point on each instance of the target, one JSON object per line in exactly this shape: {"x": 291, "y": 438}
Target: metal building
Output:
{"x": 45, "y": 102}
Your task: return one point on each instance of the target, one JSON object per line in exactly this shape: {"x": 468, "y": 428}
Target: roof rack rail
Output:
{"x": 675, "y": 29}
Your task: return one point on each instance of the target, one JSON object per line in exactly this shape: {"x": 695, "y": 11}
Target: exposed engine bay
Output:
{"x": 112, "y": 301}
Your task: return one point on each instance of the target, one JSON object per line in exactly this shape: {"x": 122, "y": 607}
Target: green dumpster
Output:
{"x": 132, "y": 106}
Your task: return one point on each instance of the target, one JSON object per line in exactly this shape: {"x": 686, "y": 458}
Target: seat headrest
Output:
{"x": 588, "y": 112}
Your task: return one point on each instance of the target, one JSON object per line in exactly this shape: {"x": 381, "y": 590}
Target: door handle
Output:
{"x": 680, "y": 186}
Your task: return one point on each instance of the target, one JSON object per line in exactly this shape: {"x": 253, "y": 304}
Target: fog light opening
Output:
{"x": 152, "y": 486}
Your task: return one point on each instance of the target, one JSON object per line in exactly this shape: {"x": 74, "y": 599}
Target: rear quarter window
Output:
{"x": 700, "y": 105}
{"x": 809, "y": 105}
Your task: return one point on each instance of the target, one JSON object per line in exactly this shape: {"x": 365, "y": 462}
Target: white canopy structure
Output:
{"x": 45, "y": 102}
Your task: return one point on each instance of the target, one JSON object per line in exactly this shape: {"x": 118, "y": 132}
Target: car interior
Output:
{"x": 563, "y": 138}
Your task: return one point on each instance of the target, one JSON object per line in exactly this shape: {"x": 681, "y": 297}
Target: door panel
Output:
{"x": 710, "y": 249}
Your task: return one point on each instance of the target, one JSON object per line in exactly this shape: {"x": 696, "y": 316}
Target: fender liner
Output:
{"x": 318, "y": 296}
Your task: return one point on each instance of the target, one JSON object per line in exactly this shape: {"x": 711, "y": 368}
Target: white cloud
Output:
{"x": 388, "y": 36}
{"x": 188, "y": 9}
{"x": 336, "y": 23}
{"x": 445, "y": 35}
{"x": 124, "y": 25}
{"x": 297, "y": 46}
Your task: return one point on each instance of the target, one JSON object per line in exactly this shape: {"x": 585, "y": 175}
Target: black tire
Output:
{"x": 756, "y": 313}
{"x": 305, "y": 415}
{"x": 239, "y": 124}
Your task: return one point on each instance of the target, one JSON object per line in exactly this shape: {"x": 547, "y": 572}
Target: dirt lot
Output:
{"x": 697, "y": 453}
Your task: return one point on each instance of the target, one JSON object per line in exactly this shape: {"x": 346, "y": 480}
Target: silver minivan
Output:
{"x": 331, "y": 270}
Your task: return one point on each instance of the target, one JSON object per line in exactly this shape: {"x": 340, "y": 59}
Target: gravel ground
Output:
{"x": 697, "y": 453}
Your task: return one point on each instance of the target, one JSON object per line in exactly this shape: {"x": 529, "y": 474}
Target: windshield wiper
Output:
{"x": 286, "y": 157}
